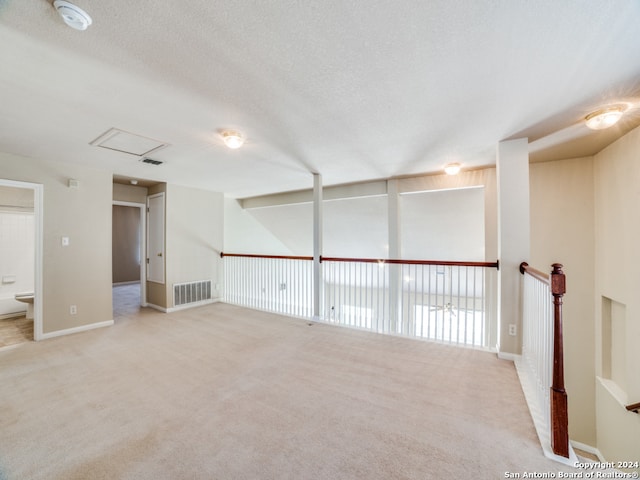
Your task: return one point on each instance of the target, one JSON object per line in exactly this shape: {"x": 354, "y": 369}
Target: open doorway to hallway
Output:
{"x": 128, "y": 257}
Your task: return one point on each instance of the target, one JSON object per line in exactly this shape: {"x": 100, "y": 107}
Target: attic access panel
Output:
{"x": 126, "y": 142}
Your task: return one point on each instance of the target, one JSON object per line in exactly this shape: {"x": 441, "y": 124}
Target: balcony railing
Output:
{"x": 270, "y": 282}
{"x": 450, "y": 302}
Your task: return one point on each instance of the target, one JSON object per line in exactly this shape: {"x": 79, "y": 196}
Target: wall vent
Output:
{"x": 191, "y": 292}
{"x": 151, "y": 161}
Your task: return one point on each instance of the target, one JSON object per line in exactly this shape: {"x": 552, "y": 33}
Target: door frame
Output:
{"x": 38, "y": 204}
{"x": 143, "y": 247}
{"x": 163, "y": 233}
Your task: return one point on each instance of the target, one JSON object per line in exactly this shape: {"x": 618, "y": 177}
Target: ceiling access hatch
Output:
{"x": 125, "y": 142}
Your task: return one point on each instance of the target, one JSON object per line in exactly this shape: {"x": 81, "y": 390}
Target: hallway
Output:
{"x": 126, "y": 300}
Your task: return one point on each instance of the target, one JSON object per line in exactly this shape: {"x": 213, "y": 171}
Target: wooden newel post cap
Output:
{"x": 558, "y": 282}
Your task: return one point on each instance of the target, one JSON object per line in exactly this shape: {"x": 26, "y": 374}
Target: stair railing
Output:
{"x": 542, "y": 349}
{"x": 635, "y": 407}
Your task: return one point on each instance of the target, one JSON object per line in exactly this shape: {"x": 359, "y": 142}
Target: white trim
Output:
{"x": 7, "y": 316}
{"x": 184, "y": 307}
{"x": 157, "y": 307}
{"x": 164, "y": 236}
{"x": 81, "y": 328}
{"x": 143, "y": 248}
{"x": 38, "y": 209}
{"x": 513, "y": 357}
{"x": 191, "y": 305}
{"x": 614, "y": 390}
{"x": 588, "y": 449}
{"x": 529, "y": 388}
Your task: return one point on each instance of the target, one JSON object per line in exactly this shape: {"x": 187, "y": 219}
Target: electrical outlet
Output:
{"x": 512, "y": 329}
{"x": 73, "y": 309}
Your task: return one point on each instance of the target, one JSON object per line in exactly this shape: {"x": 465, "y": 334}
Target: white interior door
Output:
{"x": 155, "y": 238}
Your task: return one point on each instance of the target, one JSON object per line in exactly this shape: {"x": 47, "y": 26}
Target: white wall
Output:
{"x": 355, "y": 218}
{"x": 617, "y": 278}
{"x": 17, "y": 257}
{"x": 443, "y": 225}
{"x": 243, "y": 232}
{"x": 194, "y": 237}
{"x": 562, "y": 231}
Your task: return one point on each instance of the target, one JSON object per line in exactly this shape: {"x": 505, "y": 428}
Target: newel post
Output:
{"x": 559, "y": 416}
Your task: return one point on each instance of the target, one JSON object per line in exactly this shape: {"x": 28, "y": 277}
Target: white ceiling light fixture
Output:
{"x": 232, "y": 138}
{"x": 605, "y": 117}
{"x": 73, "y": 16}
{"x": 452, "y": 169}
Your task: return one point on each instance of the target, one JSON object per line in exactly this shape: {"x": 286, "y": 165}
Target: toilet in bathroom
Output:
{"x": 28, "y": 299}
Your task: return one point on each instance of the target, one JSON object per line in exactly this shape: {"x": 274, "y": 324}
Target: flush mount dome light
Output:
{"x": 232, "y": 139}
{"x": 73, "y": 16}
{"x": 605, "y": 117}
{"x": 452, "y": 169}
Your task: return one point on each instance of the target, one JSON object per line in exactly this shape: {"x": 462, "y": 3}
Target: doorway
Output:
{"x": 128, "y": 258}
{"x": 31, "y": 267}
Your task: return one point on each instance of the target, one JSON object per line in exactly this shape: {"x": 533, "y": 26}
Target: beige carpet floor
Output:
{"x": 222, "y": 392}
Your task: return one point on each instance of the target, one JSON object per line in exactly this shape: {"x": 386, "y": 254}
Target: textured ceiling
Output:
{"x": 352, "y": 90}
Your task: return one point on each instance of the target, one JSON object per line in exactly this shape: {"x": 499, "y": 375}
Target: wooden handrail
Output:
{"x": 253, "y": 255}
{"x": 543, "y": 277}
{"x": 635, "y": 407}
{"x": 495, "y": 264}
{"x": 397, "y": 261}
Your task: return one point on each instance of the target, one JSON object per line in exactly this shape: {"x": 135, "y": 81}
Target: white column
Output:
{"x": 317, "y": 244}
{"x": 395, "y": 280}
{"x": 512, "y": 167}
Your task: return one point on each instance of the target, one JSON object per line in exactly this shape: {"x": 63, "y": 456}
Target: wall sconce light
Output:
{"x": 452, "y": 169}
{"x": 605, "y": 117}
{"x": 232, "y": 138}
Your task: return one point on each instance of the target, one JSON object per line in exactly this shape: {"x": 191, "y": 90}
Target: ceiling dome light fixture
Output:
{"x": 232, "y": 138}
{"x": 452, "y": 169}
{"x": 73, "y": 16}
{"x": 605, "y": 117}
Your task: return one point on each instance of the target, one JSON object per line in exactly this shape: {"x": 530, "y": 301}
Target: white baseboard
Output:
{"x": 156, "y": 307}
{"x": 83, "y": 328}
{"x": 182, "y": 307}
{"x": 589, "y": 449}
{"x": 192, "y": 305}
{"x": 537, "y": 414}
{"x": 132, "y": 282}
{"x": 6, "y": 316}
{"x": 508, "y": 356}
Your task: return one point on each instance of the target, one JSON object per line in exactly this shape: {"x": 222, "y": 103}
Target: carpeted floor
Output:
{"x": 222, "y": 392}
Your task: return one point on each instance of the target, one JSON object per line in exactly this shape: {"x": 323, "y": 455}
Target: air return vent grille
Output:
{"x": 191, "y": 292}
{"x": 151, "y": 161}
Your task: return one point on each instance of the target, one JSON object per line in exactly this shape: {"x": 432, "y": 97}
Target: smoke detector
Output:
{"x": 73, "y": 16}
